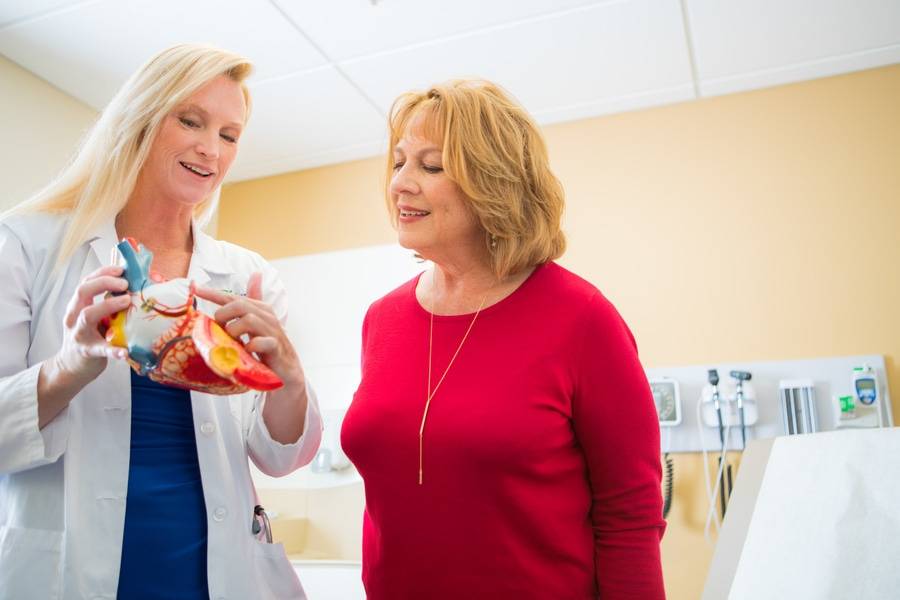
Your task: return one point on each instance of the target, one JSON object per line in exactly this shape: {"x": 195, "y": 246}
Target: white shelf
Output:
{"x": 831, "y": 376}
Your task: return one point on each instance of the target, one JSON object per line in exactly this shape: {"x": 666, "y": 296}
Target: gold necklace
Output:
{"x": 430, "y": 393}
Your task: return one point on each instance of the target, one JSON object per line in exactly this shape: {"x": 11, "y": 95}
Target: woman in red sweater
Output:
{"x": 503, "y": 427}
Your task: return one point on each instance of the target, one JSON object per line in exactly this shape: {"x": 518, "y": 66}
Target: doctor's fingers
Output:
{"x": 262, "y": 345}
{"x": 84, "y": 320}
{"x": 254, "y": 325}
{"x": 254, "y": 286}
{"x": 240, "y": 308}
{"x": 216, "y": 296}
{"x": 106, "y": 274}
{"x": 278, "y": 354}
{"x": 101, "y": 350}
{"x": 90, "y": 289}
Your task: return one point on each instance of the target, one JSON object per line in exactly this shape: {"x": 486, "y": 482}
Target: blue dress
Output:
{"x": 164, "y": 545}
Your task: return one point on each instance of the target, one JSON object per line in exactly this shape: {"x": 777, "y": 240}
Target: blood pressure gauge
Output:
{"x": 667, "y": 400}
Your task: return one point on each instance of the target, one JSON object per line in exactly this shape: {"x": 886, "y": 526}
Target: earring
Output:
{"x": 493, "y": 242}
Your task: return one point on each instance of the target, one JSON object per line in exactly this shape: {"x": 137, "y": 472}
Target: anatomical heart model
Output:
{"x": 172, "y": 342}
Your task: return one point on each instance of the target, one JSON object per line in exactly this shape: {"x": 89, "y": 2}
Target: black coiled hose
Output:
{"x": 668, "y": 483}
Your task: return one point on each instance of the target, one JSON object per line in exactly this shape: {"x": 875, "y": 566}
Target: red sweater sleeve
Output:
{"x": 616, "y": 425}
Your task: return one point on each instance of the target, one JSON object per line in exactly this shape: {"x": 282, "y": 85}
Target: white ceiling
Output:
{"x": 328, "y": 71}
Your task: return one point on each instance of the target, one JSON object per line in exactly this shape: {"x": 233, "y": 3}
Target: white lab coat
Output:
{"x": 63, "y": 489}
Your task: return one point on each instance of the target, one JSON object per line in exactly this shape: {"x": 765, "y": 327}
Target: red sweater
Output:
{"x": 541, "y": 450}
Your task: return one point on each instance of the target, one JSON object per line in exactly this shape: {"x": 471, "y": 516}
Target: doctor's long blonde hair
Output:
{"x": 101, "y": 176}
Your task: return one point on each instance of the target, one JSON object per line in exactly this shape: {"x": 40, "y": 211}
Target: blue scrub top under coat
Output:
{"x": 164, "y": 545}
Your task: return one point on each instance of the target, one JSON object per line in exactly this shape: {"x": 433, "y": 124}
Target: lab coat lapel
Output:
{"x": 207, "y": 260}
{"x": 102, "y": 240}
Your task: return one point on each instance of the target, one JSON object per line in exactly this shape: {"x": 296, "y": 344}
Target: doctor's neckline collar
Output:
{"x": 206, "y": 253}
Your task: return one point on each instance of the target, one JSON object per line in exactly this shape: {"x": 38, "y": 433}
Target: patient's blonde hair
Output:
{"x": 99, "y": 180}
{"x": 494, "y": 151}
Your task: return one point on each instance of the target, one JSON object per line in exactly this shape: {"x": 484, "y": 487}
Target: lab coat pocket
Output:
{"x": 276, "y": 575}
{"x": 30, "y": 562}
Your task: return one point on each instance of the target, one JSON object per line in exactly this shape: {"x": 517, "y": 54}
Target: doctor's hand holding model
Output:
{"x": 503, "y": 427}
{"x": 112, "y": 485}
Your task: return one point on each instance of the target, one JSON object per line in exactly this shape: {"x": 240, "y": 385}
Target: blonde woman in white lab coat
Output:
{"x": 84, "y": 511}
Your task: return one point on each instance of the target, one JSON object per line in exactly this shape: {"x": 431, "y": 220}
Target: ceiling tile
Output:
{"x": 623, "y": 103}
{"x": 16, "y": 10}
{"x": 743, "y": 44}
{"x": 564, "y": 59}
{"x": 90, "y": 51}
{"x": 603, "y": 53}
{"x": 306, "y": 119}
{"x": 300, "y": 162}
{"x": 346, "y": 29}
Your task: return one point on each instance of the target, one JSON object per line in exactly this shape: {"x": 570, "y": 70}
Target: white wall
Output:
{"x": 329, "y": 295}
{"x": 41, "y": 127}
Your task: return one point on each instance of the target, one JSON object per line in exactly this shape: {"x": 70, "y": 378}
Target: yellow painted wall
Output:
{"x": 41, "y": 127}
{"x": 756, "y": 226}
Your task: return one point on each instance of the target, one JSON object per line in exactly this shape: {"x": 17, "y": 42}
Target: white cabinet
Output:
{"x": 331, "y": 580}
